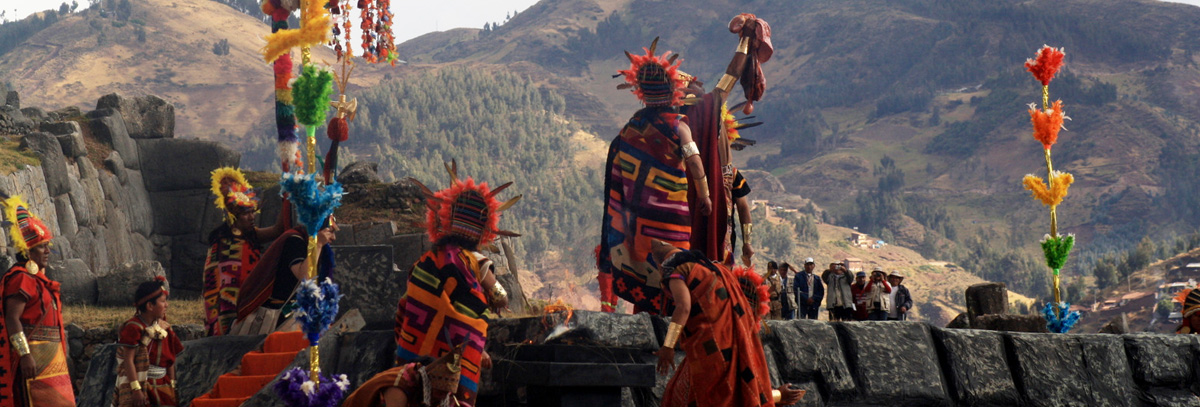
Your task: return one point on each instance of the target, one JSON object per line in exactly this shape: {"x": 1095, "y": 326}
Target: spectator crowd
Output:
{"x": 797, "y": 294}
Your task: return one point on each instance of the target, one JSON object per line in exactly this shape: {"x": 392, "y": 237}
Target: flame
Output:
{"x": 558, "y": 306}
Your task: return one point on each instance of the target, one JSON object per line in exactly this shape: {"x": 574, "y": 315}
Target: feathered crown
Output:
{"x": 24, "y": 230}
{"x": 232, "y": 191}
{"x": 465, "y": 209}
{"x": 654, "y": 79}
{"x": 755, "y": 291}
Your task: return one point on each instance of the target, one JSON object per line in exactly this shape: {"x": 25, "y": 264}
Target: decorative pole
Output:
{"x": 1047, "y": 122}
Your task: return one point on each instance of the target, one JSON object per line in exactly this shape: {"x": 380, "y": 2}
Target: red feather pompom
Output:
{"x": 754, "y": 289}
{"x": 338, "y": 130}
{"x": 1046, "y": 65}
{"x": 283, "y": 71}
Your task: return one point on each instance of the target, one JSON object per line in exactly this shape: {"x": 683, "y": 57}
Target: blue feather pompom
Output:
{"x": 317, "y": 305}
{"x": 313, "y": 203}
{"x": 1062, "y": 320}
{"x": 296, "y": 389}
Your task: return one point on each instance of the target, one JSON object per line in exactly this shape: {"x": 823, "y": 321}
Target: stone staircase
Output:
{"x": 258, "y": 369}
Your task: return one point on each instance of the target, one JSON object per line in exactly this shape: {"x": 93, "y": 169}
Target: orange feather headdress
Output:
{"x": 466, "y": 209}
{"x": 654, "y": 79}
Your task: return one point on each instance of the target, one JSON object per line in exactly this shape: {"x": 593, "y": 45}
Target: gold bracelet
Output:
{"x": 498, "y": 292}
{"x": 673, "y": 331}
{"x": 135, "y": 385}
{"x": 776, "y": 395}
{"x": 19, "y": 343}
{"x": 743, "y": 46}
{"x": 690, "y": 149}
{"x": 173, "y": 384}
{"x": 747, "y": 232}
{"x": 702, "y": 187}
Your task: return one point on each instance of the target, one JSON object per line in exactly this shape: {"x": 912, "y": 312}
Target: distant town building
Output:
{"x": 860, "y": 239}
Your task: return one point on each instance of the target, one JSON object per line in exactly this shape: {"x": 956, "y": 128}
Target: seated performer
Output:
{"x": 266, "y": 300}
{"x": 234, "y": 247}
{"x": 33, "y": 359}
{"x": 716, "y": 325}
{"x": 452, "y": 285}
{"x": 416, "y": 384}
{"x": 148, "y": 347}
{"x": 650, "y": 165}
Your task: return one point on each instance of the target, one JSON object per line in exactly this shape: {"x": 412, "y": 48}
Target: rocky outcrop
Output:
{"x": 146, "y": 117}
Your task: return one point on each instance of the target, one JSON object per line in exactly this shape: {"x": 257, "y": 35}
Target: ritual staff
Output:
{"x": 1190, "y": 300}
{"x": 146, "y": 352}
{"x": 453, "y": 285}
{"x": 716, "y": 323}
{"x": 715, "y": 131}
{"x": 649, "y": 167}
{"x": 415, "y": 384}
{"x": 234, "y": 247}
{"x": 33, "y": 359}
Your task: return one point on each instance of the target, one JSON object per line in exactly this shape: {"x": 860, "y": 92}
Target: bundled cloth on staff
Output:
{"x": 155, "y": 348}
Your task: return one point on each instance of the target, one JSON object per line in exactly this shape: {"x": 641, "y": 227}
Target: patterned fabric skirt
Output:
{"x": 228, "y": 262}
{"x": 51, "y": 387}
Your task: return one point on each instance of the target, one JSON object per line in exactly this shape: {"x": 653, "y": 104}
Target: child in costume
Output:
{"x": 452, "y": 285}
{"x": 716, "y": 318}
{"x": 33, "y": 361}
{"x": 147, "y": 351}
{"x": 234, "y": 247}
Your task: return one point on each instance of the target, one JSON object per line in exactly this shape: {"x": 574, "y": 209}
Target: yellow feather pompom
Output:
{"x": 1050, "y": 196}
{"x": 14, "y": 230}
{"x": 314, "y": 30}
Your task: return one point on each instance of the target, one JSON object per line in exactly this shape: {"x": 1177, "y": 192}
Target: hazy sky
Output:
{"x": 413, "y": 17}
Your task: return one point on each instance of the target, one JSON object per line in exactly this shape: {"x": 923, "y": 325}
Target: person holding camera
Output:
{"x": 876, "y": 293}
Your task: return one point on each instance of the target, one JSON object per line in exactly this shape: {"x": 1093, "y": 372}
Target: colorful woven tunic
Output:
{"x": 646, "y": 197}
{"x": 42, "y": 321}
{"x": 152, "y": 359}
{"x": 443, "y": 307}
{"x": 724, "y": 363}
{"x": 230, "y": 259}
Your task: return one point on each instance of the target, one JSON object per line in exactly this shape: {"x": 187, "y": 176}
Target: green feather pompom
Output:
{"x": 1057, "y": 249}
{"x": 310, "y": 93}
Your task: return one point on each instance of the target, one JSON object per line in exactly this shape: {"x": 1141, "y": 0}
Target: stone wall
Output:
{"x": 142, "y": 196}
{"x": 839, "y": 364}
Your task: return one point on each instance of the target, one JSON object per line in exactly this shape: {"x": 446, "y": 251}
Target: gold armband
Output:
{"x": 726, "y": 82}
{"x": 690, "y": 149}
{"x": 498, "y": 292}
{"x": 19, "y": 343}
{"x": 744, "y": 46}
{"x": 135, "y": 385}
{"x": 747, "y": 232}
{"x": 776, "y": 395}
{"x": 673, "y": 331}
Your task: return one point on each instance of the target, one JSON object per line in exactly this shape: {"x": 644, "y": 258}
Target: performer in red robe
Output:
{"x": 147, "y": 352}
{"x": 33, "y": 359}
{"x": 716, "y": 323}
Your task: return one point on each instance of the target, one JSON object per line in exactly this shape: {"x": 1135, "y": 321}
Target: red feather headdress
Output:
{"x": 466, "y": 209}
{"x": 655, "y": 80}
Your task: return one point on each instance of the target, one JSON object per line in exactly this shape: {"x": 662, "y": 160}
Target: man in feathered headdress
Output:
{"x": 33, "y": 357}
{"x": 715, "y": 320}
{"x": 650, "y": 165}
{"x": 415, "y": 384}
{"x": 1190, "y": 298}
{"x": 452, "y": 285}
{"x": 235, "y": 247}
